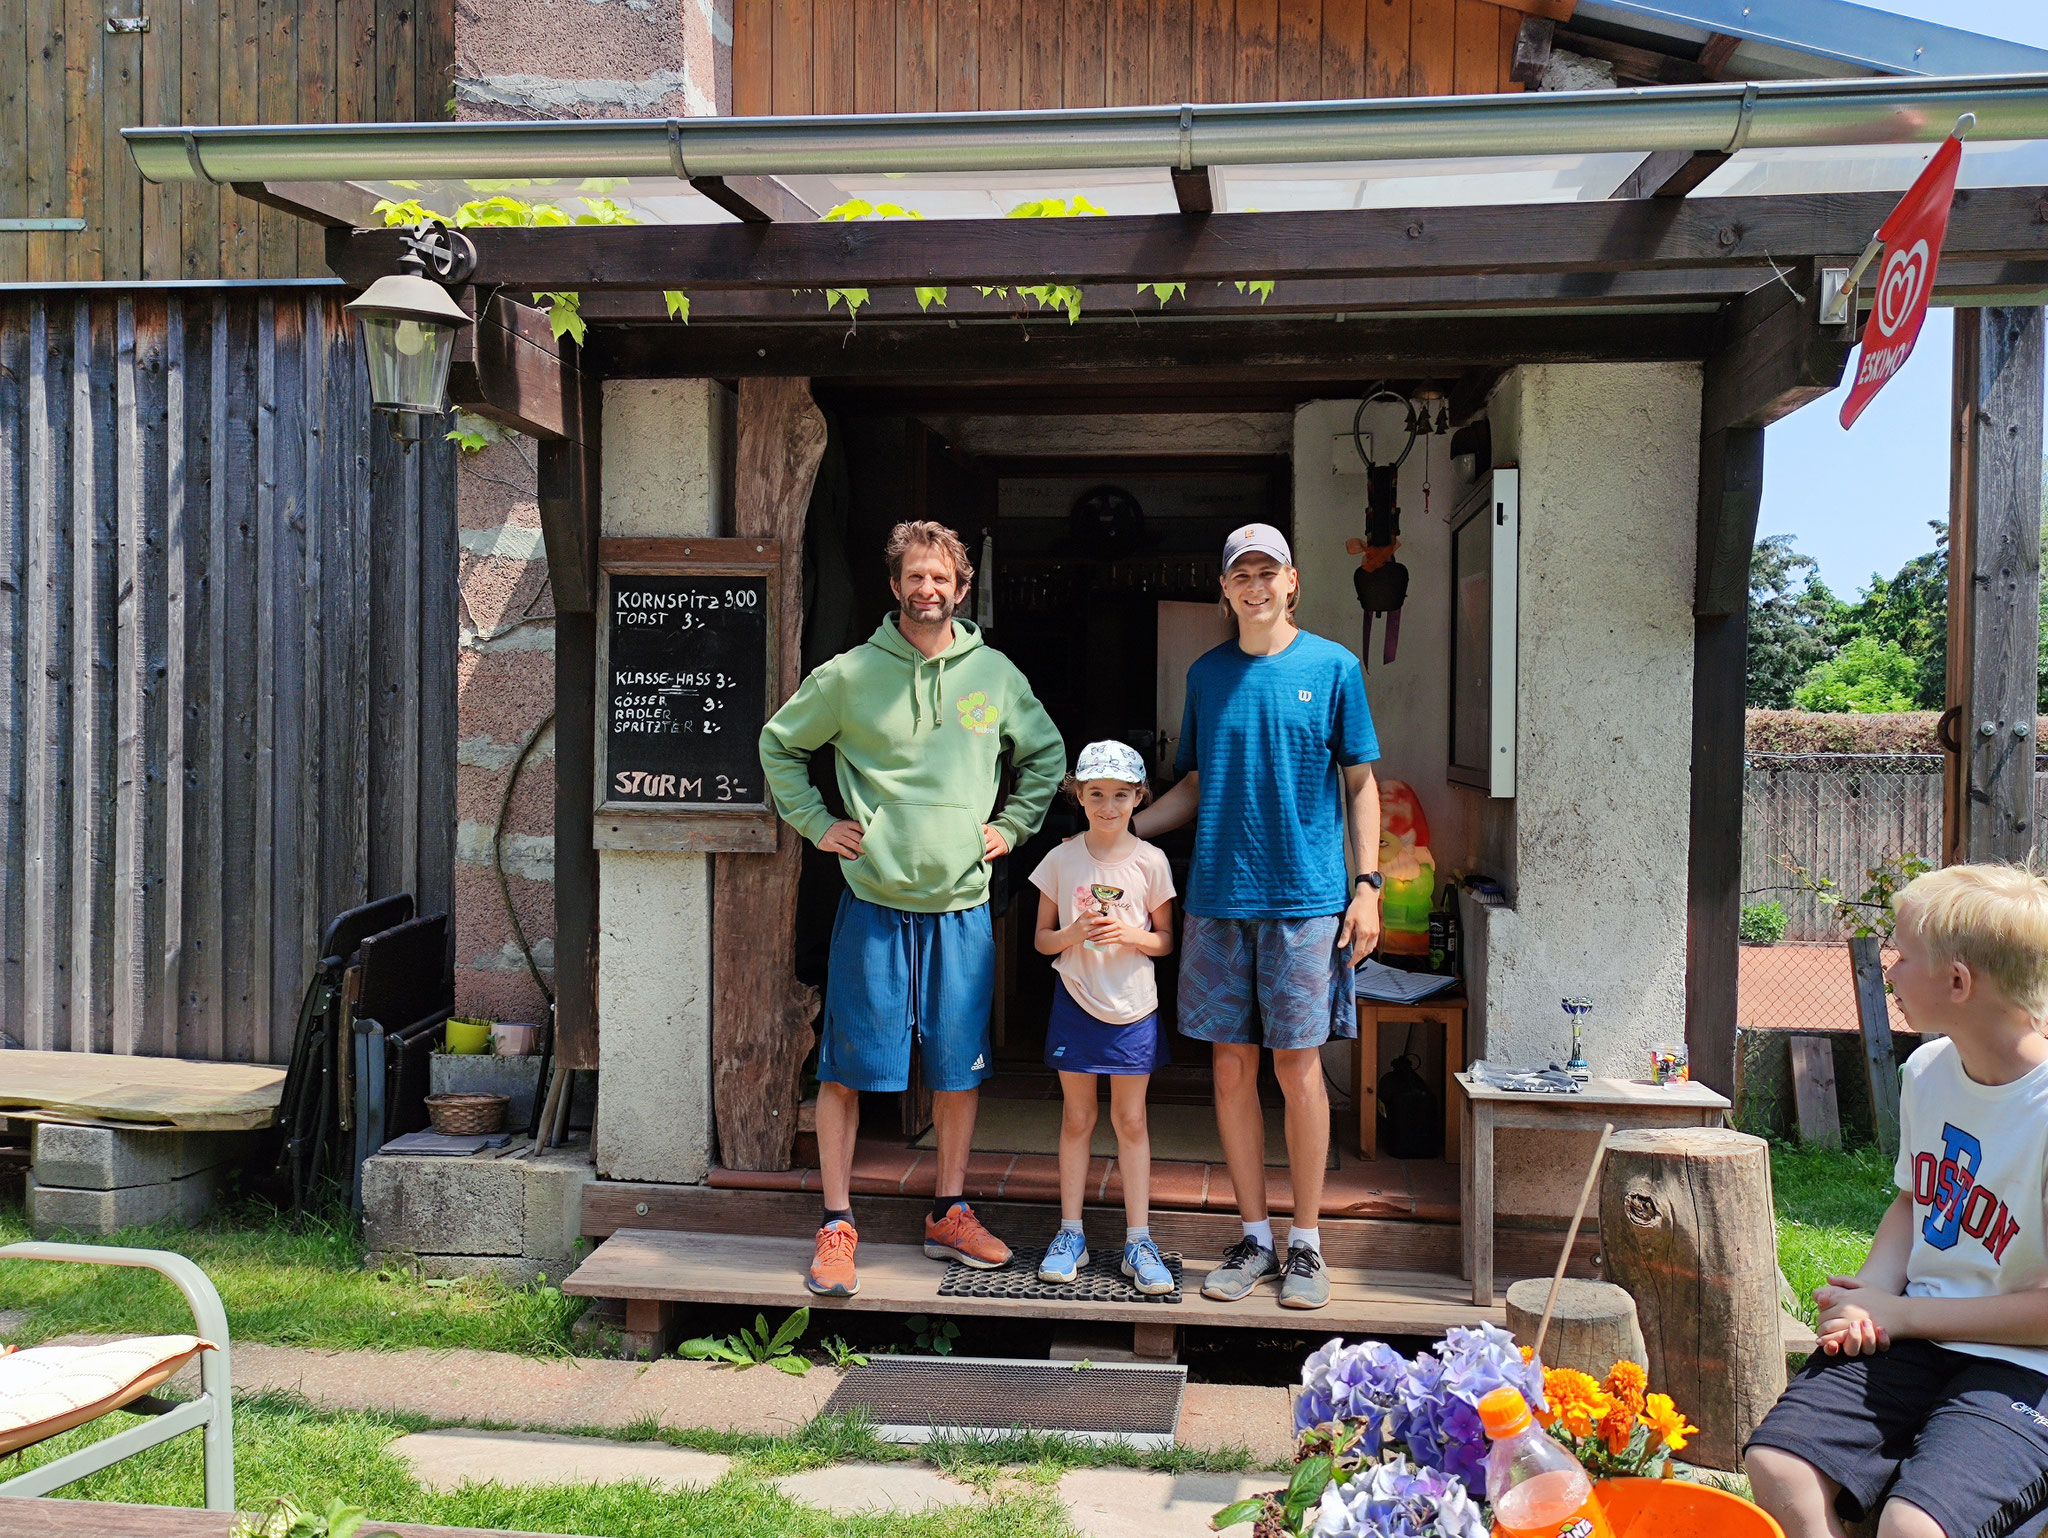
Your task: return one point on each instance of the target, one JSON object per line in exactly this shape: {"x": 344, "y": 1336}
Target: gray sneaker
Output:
{"x": 1245, "y": 1265}
{"x": 1303, "y": 1283}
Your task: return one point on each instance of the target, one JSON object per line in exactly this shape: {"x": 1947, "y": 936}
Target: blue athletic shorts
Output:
{"x": 897, "y": 976}
{"x": 1077, "y": 1042}
{"x": 1278, "y": 983}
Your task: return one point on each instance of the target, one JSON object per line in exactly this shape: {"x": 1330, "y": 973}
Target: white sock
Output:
{"x": 1133, "y": 1235}
{"x": 1261, "y": 1231}
{"x": 1305, "y": 1238}
{"x": 1070, "y": 1225}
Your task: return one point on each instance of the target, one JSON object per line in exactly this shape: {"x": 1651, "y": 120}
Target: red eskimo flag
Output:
{"x": 1912, "y": 238}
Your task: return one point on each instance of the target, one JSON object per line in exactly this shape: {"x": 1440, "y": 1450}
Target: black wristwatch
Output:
{"x": 1371, "y": 878}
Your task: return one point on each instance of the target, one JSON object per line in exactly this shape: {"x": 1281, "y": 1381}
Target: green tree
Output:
{"x": 1867, "y": 676}
{"x": 1792, "y": 620}
{"x": 1909, "y": 611}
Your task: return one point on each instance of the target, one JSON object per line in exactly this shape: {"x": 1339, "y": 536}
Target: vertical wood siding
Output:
{"x": 227, "y": 648}
{"x": 797, "y": 56}
{"x": 68, "y": 87}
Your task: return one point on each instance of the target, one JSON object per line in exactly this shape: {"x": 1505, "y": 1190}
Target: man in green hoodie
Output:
{"x": 921, "y": 715}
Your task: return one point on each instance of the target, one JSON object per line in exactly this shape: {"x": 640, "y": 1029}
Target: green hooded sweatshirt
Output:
{"x": 920, "y": 742}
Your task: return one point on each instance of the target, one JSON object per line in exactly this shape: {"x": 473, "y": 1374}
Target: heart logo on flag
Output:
{"x": 1898, "y": 291}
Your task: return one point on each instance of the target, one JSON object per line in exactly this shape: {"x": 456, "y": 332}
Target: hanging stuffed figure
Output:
{"x": 1382, "y": 581}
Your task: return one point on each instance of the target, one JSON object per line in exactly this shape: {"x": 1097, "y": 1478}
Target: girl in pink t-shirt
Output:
{"x": 1105, "y": 910}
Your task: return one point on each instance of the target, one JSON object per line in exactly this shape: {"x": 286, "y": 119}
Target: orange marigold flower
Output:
{"x": 1618, "y": 1428}
{"x": 1577, "y": 1399}
{"x": 1528, "y": 1355}
{"x": 1667, "y": 1422}
{"x": 1626, "y": 1384}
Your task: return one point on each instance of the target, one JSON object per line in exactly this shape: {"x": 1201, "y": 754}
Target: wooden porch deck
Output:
{"x": 655, "y": 1271}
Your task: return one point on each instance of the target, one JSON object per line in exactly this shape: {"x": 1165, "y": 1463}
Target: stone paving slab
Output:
{"x": 448, "y": 1459}
{"x": 848, "y": 1489}
{"x": 1219, "y": 1417}
{"x": 501, "y": 1387}
{"x": 1128, "y": 1503}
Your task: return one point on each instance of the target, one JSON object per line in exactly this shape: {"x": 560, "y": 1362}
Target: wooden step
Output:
{"x": 1377, "y": 1244}
{"x": 655, "y": 1270}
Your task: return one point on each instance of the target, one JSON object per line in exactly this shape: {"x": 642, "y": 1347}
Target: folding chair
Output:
{"x": 212, "y": 1412}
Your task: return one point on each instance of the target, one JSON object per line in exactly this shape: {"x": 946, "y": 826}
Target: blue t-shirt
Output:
{"x": 1269, "y": 736}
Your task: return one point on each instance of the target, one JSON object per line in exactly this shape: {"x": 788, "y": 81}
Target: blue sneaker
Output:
{"x": 1146, "y": 1268}
{"x": 1064, "y": 1258}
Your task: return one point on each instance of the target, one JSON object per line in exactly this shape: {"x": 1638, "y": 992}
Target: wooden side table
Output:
{"x": 1626, "y": 1103}
{"x": 1447, "y": 1010}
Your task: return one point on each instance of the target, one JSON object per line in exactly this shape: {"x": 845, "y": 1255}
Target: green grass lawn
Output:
{"x": 284, "y": 1448}
{"x": 283, "y": 1286}
{"x": 1828, "y": 1206}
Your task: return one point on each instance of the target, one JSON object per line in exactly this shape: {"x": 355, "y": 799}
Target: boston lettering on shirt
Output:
{"x": 685, "y": 689}
{"x": 1271, "y": 737}
{"x": 1974, "y": 1158}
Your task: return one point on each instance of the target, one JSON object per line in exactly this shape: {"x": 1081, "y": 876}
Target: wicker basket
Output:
{"x": 467, "y": 1115}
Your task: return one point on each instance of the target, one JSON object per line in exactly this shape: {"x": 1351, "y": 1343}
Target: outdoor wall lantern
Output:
{"x": 409, "y": 323}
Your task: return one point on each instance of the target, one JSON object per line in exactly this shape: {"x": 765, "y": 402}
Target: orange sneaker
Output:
{"x": 960, "y": 1236}
{"x": 832, "y": 1274}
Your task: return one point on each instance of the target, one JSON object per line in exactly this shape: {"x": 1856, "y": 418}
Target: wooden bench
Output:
{"x": 655, "y": 1270}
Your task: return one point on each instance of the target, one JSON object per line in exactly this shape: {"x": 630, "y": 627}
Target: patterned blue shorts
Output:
{"x": 1285, "y": 975}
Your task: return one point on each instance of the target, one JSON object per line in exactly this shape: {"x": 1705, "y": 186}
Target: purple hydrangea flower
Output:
{"x": 1361, "y": 1383}
{"x": 1396, "y": 1499}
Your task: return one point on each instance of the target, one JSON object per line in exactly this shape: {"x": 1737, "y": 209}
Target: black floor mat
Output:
{"x": 1100, "y": 1281}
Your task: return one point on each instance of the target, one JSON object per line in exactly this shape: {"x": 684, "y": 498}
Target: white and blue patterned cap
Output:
{"x": 1110, "y": 761}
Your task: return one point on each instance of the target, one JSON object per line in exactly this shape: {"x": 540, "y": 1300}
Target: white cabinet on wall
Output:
{"x": 1485, "y": 566}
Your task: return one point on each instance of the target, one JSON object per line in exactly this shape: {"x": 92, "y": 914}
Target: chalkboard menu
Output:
{"x": 686, "y": 656}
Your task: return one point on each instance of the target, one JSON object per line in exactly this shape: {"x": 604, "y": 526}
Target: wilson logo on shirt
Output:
{"x": 1957, "y": 1206}
{"x": 1306, "y": 696}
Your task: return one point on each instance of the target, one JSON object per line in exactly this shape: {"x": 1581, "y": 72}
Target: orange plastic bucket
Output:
{"x": 1677, "y": 1508}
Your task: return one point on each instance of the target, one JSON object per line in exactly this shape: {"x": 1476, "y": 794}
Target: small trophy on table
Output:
{"x": 1578, "y": 1067}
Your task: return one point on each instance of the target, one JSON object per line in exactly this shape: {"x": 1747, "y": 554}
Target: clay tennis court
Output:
{"x": 1800, "y": 986}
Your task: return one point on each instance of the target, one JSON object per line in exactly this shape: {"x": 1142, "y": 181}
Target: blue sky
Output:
{"x": 1859, "y": 502}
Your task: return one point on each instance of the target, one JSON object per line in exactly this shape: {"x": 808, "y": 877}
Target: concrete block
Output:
{"x": 103, "y": 1159}
{"x": 428, "y": 1206}
{"x": 513, "y": 1270}
{"x": 554, "y": 1202}
{"x": 179, "y": 1202}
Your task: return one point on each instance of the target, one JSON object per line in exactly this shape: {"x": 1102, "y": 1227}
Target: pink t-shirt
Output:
{"x": 1113, "y": 983}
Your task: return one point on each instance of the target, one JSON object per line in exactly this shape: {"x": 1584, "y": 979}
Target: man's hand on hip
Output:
{"x": 842, "y": 839}
{"x": 993, "y": 844}
{"x": 1360, "y": 934}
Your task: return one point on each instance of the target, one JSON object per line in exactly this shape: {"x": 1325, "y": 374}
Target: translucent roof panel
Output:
{"x": 1871, "y": 168}
{"x": 652, "y": 200}
{"x": 1446, "y": 183}
{"x": 990, "y": 194}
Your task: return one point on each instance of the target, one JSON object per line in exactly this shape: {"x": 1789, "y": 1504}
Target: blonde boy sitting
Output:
{"x": 1929, "y": 1393}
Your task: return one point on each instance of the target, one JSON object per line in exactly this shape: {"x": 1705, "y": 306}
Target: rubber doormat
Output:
{"x": 1097, "y": 1282}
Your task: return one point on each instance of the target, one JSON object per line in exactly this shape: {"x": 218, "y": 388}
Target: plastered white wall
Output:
{"x": 664, "y": 471}
{"x": 1609, "y": 455}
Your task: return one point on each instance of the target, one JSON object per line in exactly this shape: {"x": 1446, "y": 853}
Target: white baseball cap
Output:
{"x": 1260, "y": 537}
{"x": 1110, "y": 761}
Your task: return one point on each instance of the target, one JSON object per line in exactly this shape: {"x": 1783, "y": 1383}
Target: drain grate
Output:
{"x": 914, "y": 1398}
{"x": 1097, "y": 1282}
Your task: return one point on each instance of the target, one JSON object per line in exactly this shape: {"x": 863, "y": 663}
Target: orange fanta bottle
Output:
{"x": 1536, "y": 1488}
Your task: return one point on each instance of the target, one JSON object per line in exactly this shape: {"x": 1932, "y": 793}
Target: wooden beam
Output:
{"x": 332, "y": 205}
{"x": 1772, "y": 357}
{"x": 1994, "y": 616}
{"x": 510, "y": 367}
{"x": 575, "y": 856}
{"x": 755, "y": 199}
{"x": 760, "y": 1014}
{"x": 570, "y": 494}
{"x": 1533, "y": 41}
{"x": 2003, "y": 223}
{"x": 1126, "y": 355}
{"x": 1632, "y": 66}
{"x": 1192, "y": 190}
{"x": 1670, "y": 173}
{"x": 1715, "y": 53}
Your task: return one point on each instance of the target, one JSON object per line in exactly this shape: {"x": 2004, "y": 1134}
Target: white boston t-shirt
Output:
{"x": 1974, "y": 1158}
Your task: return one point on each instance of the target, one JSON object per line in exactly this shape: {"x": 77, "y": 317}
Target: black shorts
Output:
{"x": 1966, "y": 1436}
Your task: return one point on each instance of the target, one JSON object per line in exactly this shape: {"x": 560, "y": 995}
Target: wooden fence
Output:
{"x": 227, "y": 663}
{"x": 1834, "y": 815}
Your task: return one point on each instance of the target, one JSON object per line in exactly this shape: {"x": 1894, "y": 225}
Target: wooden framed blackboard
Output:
{"x": 686, "y": 665}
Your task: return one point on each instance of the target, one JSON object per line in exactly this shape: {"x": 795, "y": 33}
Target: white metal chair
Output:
{"x": 212, "y": 1412}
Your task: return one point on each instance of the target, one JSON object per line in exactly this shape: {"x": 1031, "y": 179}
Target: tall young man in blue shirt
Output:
{"x": 1276, "y": 750}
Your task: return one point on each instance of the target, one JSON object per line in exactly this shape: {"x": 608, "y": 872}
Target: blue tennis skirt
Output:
{"x": 1077, "y": 1042}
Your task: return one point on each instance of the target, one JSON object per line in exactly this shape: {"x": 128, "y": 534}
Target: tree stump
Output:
{"x": 1686, "y": 1229}
{"x": 1593, "y": 1326}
